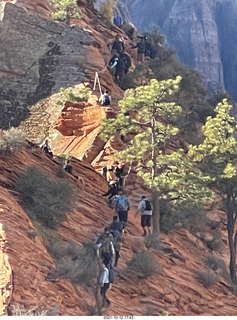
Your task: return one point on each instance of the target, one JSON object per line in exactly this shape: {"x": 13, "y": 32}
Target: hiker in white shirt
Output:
{"x": 145, "y": 208}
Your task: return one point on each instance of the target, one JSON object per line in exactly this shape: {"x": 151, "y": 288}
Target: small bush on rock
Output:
{"x": 107, "y": 9}
{"x": 143, "y": 263}
{"x": 44, "y": 199}
{"x": 11, "y": 140}
{"x": 207, "y": 279}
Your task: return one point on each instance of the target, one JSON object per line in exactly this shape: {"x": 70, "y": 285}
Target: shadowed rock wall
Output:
{"x": 37, "y": 58}
{"x": 203, "y": 33}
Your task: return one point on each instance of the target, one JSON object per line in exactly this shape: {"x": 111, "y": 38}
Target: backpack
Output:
{"x": 112, "y": 201}
{"x": 122, "y": 203}
{"x": 106, "y": 101}
{"x": 111, "y": 274}
{"x": 148, "y": 205}
{"x": 106, "y": 247}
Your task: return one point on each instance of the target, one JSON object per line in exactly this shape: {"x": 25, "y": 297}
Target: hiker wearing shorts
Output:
{"x": 145, "y": 208}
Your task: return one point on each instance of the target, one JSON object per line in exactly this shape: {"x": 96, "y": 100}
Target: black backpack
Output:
{"x": 148, "y": 205}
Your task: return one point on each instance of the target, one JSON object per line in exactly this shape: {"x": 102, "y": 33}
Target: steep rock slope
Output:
{"x": 201, "y": 31}
{"x": 26, "y": 262}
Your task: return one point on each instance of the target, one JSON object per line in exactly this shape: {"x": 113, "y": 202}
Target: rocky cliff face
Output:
{"x": 202, "y": 32}
{"x": 38, "y": 56}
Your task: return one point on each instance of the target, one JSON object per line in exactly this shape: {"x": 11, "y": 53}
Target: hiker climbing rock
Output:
{"x": 145, "y": 208}
{"x": 68, "y": 168}
{"x": 117, "y": 46}
{"x": 126, "y": 60}
{"x": 117, "y": 68}
{"x": 107, "y": 251}
{"x": 105, "y": 285}
{"x": 119, "y": 173}
{"x": 116, "y": 225}
{"x": 122, "y": 207}
{"x": 46, "y": 148}
{"x": 105, "y": 99}
{"x": 112, "y": 193}
{"x": 104, "y": 172}
{"x": 141, "y": 49}
{"x": 117, "y": 20}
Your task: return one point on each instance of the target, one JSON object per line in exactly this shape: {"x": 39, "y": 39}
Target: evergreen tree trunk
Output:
{"x": 155, "y": 196}
{"x": 156, "y": 212}
{"x": 230, "y": 228}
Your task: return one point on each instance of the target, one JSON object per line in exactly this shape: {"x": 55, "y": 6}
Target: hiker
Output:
{"x": 117, "y": 68}
{"x": 46, "y": 148}
{"x": 68, "y": 168}
{"x": 118, "y": 20}
{"x": 105, "y": 99}
{"x": 145, "y": 208}
{"x": 141, "y": 49}
{"x": 104, "y": 172}
{"x": 122, "y": 207}
{"x": 119, "y": 173}
{"x": 112, "y": 193}
{"x": 117, "y": 245}
{"x": 104, "y": 285}
{"x": 107, "y": 249}
{"x": 117, "y": 46}
{"x": 116, "y": 225}
{"x": 113, "y": 190}
{"x": 126, "y": 60}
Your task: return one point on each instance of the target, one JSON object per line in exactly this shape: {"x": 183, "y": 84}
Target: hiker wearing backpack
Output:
{"x": 117, "y": 68}
{"x": 117, "y": 46}
{"x": 104, "y": 285}
{"x": 145, "y": 208}
{"x": 116, "y": 225}
{"x": 107, "y": 251}
{"x": 46, "y": 148}
{"x": 122, "y": 207}
{"x": 105, "y": 99}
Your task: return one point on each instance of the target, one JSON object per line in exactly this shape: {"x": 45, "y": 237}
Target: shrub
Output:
{"x": 215, "y": 243}
{"x": 189, "y": 215}
{"x": 152, "y": 241}
{"x": 79, "y": 264}
{"x": 107, "y": 9}
{"x": 45, "y": 199}
{"x": 207, "y": 279}
{"x": 143, "y": 263}
{"x": 17, "y": 310}
{"x": 64, "y": 8}
{"x": 217, "y": 265}
{"x": 11, "y": 140}
{"x": 74, "y": 94}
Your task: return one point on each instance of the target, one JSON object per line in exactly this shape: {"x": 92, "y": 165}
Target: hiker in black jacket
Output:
{"x": 117, "y": 46}
{"x": 141, "y": 49}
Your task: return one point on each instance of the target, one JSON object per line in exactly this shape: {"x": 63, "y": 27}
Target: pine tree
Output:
{"x": 148, "y": 113}
{"x": 218, "y": 156}
{"x": 66, "y": 9}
